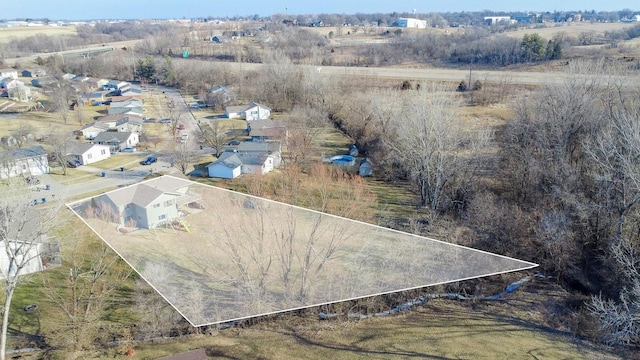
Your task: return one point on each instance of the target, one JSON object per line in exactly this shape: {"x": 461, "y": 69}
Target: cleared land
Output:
{"x": 10, "y": 33}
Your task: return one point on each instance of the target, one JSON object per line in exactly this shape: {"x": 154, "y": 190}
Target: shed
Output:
{"x": 365, "y": 168}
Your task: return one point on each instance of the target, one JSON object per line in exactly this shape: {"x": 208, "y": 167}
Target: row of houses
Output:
{"x": 13, "y": 88}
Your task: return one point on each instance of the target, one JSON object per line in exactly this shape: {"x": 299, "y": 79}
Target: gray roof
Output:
{"x": 77, "y": 148}
{"x": 267, "y": 147}
{"x": 241, "y": 108}
{"x": 145, "y": 193}
{"x": 229, "y": 159}
{"x": 112, "y": 137}
{"x": 97, "y": 125}
{"x": 24, "y": 153}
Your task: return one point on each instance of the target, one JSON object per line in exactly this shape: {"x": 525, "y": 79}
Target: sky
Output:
{"x": 174, "y": 9}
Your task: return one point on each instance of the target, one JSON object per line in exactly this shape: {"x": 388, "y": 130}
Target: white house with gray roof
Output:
{"x": 24, "y": 161}
{"x": 84, "y": 154}
{"x": 148, "y": 204}
{"x": 250, "y": 112}
{"x": 117, "y": 140}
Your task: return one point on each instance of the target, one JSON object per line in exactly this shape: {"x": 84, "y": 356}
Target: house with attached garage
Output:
{"x": 90, "y": 131}
{"x": 270, "y": 148}
{"x": 256, "y": 159}
{"x": 266, "y": 130}
{"x": 34, "y": 72}
{"x": 23, "y": 162}
{"x": 250, "y": 112}
{"x": 84, "y": 154}
{"x": 9, "y": 73}
{"x": 129, "y": 124}
{"x": 117, "y": 140}
{"x": 148, "y": 204}
{"x": 228, "y": 166}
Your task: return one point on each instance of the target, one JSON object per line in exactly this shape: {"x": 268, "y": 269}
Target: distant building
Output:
{"x": 492, "y": 20}
{"x": 411, "y": 23}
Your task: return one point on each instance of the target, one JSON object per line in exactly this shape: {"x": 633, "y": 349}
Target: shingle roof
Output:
{"x": 24, "y": 153}
{"x": 145, "y": 193}
{"x": 112, "y": 137}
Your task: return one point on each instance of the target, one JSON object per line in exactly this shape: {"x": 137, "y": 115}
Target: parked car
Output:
{"x": 148, "y": 161}
{"x": 128, "y": 149}
{"x": 165, "y": 121}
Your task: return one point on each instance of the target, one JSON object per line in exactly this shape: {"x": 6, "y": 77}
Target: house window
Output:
{"x": 162, "y": 217}
{"x": 168, "y": 203}
{"x": 89, "y": 156}
{"x": 155, "y": 205}
{"x": 24, "y": 167}
{"x": 103, "y": 151}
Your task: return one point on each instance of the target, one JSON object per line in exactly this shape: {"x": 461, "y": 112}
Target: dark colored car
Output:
{"x": 148, "y": 161}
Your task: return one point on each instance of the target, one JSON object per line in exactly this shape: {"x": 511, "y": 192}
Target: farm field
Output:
{"x": 10, "y": 33}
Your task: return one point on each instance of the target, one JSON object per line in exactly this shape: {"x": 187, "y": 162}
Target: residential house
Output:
{"x": 84, "y": 154}
{"x": 97, "y": 83}
{"x": 271, "y": 148}
{"x": 129, "y": 124}
{"x": 115, "y": 85}
{"x": 250, "y": 112}
{"x": 129, "y": 90}
{"x": 24, "y": 161}
{"x": 232, "y": 164}
{"x": 19, "y": 93}
{"x": 46, "y": 81}
{"x": 266, "y": 130}
{"x": 96, "y": 98}
{"x": 112, "y": 120}
{"x": 228, "y": 166}
{"x": 9, "y": 73}
{"x": 90, "y": 131}
{"x": 26, "y": 246}
{"x": 32, "y": 73}
{"x": 80, "y": 79}
{"x": 219, "y": 96}
{"x": 149, "y": 204}
{"x": 135, "y": 111}
{"x": 115, "y": 99}
{"x": 10, "y": 83}
{"x": 129, "y": 103}
{"x": 117, "y": 140}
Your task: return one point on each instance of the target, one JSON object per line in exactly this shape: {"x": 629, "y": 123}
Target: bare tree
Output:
{"x": 59, "y": 142}
{"x": 23, "y": 229}
{"x": 23, "y": 133}
{"x": 61, "y": 99}
{"x": 90, "y": 286}
{"x": 429, "y": 141}
{"x": 213, "y": 134}
{"x": 183, "y": 157}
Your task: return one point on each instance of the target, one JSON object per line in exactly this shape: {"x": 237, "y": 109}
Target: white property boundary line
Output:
{"x": 526, "y": 265}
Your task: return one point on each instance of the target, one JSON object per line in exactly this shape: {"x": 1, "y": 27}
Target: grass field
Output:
{"x": 441, "y": 329}
{"x": 8, "y": 34}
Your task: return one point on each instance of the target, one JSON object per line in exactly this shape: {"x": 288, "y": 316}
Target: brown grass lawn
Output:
{"x": 8, "y": 34}
{"x": 571, "y": 29}
{"x": 440, "y": 329}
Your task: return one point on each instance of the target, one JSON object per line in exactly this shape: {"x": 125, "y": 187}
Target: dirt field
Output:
{"x": 7, "y": 34}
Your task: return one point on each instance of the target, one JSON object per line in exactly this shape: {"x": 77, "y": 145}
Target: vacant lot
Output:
{"x": 8, "y": 34}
